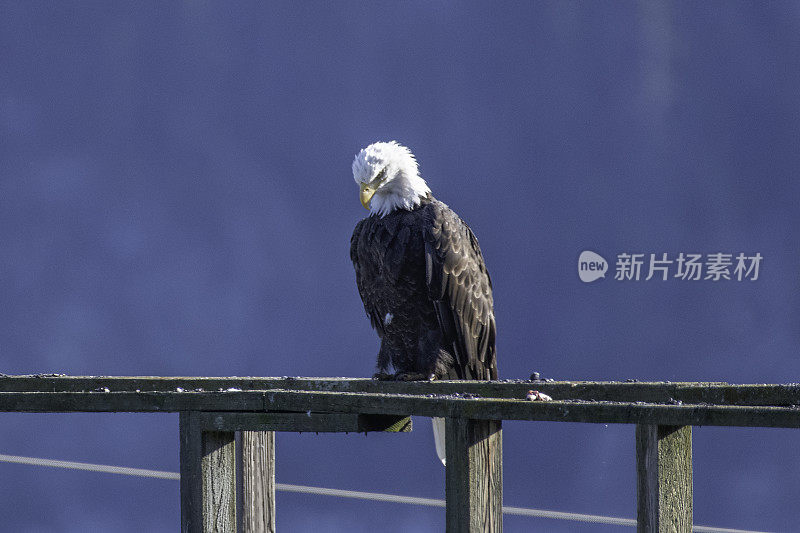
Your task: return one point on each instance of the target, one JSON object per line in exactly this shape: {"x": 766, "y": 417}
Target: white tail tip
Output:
{"x": 438, "y": 438}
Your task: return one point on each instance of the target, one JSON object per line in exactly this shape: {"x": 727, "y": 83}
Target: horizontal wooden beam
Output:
{"x": 404, "y": 405}
{"x": 303, "y": 422}
{"x": 715, "y": 393}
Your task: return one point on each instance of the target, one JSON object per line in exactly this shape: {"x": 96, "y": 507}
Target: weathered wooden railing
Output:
{"x": 212, "y": 410}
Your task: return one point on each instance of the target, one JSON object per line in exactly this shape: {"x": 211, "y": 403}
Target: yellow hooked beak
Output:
{"x": 366, "y": 194}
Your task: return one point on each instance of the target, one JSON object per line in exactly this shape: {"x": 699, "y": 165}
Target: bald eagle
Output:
{"x": 421, "y": 276}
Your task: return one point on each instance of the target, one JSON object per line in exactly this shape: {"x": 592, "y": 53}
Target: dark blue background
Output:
{"x": 176, "y": 199}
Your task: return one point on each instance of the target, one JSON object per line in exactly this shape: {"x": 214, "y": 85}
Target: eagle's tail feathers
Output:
{"x": 438, "y": 438}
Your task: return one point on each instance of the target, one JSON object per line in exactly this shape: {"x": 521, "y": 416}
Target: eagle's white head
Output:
{"x": 388, "y": 177}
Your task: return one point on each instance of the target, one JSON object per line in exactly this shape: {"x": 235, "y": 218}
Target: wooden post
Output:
{"x": 208, "y": 483}
{"x": 258, "y": 481}
{"x": 191, "y": 472}
{"x": 664, "y": 472}
{"x": 219, "y": 482}
{"x": 474, "y": 486}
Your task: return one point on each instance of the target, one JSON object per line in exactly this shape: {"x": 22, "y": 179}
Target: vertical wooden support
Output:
{"x": 258, "y": 481}
{"x": 219, "y": 482}
{"x": 664, "y": 484}
{"x": 474, "y": 486}
{"x": 208, "y": 483}
{"x": 191, "y": 472}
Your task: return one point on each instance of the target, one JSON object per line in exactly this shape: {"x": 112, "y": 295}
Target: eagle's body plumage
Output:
{"x": 421, "y": 276}
{"x": 426, "y": 290}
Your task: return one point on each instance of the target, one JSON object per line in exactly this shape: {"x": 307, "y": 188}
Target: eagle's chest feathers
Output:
{"x": 395, "y": 250}
{"x": 394, "y": 244}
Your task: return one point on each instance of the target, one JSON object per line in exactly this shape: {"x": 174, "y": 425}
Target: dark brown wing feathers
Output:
{"x": 460, "y": 287}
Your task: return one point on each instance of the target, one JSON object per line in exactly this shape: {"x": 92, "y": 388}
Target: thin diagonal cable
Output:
{"x": 74, "y": 465}
{"x": 341, "y": 493}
